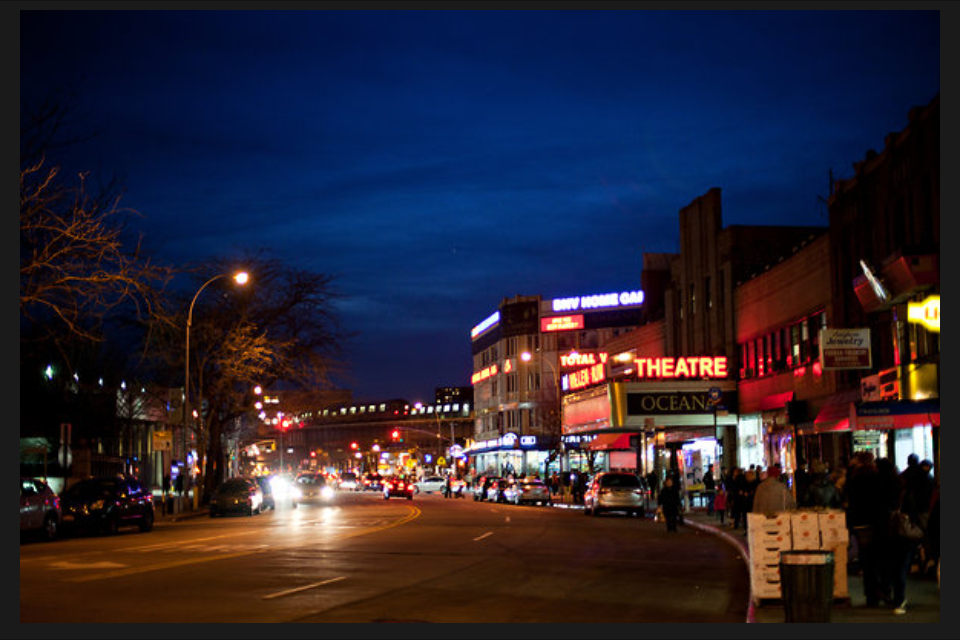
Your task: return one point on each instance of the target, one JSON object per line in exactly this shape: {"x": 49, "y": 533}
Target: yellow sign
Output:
{"x": 926, "y": 313}
{"x": 162, "y": 441}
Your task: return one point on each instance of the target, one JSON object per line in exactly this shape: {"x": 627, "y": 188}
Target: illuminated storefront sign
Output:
{"x": 926, "y": 313}
{"x": 690, "y": 367}
{"x": 486, "y": 324}
{"x": 845, "y": 349}
{"x": 584, "y": 378}
{"x": 671, "y": 403}
{"x": 483, "y": 374}
{"x": 599, "y": 301}
{"x": 561, "y": 323}
{"x": 582, "y": 359}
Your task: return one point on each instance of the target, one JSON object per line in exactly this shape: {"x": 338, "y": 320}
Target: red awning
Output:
{"x": 776, "y": 401}
{"x": 611, "y": 442}
{"x": 837, "y": 414}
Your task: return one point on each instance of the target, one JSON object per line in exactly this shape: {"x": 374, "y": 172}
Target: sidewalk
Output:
{"x": 923, "y": 593}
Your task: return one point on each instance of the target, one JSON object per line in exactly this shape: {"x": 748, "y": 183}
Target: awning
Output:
{"x": 897, "y": 414}
{"x": 776, "y": 401}
{"x": 836, "y": 414}
{"x": 611, "y": 442}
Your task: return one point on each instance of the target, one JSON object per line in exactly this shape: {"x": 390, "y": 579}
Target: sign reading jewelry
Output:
{"x": 845, "y": 349}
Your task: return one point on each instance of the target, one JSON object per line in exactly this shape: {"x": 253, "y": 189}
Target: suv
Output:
{"x": 615, "y": 491}
{"x": 39, "y": 508}
{"x": 105, "y": 504}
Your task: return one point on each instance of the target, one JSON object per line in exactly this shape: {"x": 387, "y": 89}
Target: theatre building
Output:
{"x": 523, "y": 355}
{"x": 673, "y": 381}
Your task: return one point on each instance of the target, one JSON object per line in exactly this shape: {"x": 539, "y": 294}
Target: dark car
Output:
{"x": 236, "y": 495}
{"x": 398, "y": 487}
{"x": 106, "y": 504}
{"x": 39, "y": 508}
{"x": 372, "y": 482}
{"x": 313, "y": 488}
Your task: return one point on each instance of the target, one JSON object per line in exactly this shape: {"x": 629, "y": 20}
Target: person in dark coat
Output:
{"x": 867, "y": 517}
{"x": 669, "y": 502}
{"x": 899, "y": 552}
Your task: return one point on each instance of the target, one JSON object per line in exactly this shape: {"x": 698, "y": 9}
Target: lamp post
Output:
{"x": 241, "y": 278}
{"x": 526, "y": 356}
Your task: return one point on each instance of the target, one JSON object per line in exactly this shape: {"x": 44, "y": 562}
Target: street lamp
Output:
{"x": 241, "y": 278}
{"x": 526, "y": 356}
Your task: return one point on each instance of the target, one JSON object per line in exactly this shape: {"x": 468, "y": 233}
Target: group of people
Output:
{"x": 869, "y": 490}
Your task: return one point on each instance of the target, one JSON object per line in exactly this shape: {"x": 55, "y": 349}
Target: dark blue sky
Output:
{"x": 435, "y": 162}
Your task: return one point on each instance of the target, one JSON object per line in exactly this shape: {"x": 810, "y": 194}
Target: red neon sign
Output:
{"x": 584, "y": 377}
{"x": 690, "y": 367}
{"x": 483, "y": 374}
{"x": 561, "y": 323}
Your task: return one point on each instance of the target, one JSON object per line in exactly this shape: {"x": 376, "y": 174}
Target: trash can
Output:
{"x": 806, "y": 585}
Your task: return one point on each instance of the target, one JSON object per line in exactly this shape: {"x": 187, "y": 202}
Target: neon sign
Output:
{"x": 493, "y": 319}
{"x": 926, "y": 313}
{"x": 584, "y": 378}
{"x": 582, "y": 359}
{"x": 599, "y": 301}
{"x": 561, "y": 323}
{"x": 483, "y": 374}
{"x": 690, "y": 367}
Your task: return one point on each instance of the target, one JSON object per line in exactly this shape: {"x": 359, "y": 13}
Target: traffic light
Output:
{"x": 396, "y": 436}
{"x": 354, "y": 446}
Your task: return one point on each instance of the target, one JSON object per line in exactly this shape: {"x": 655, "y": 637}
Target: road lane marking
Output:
{"x": 478, "y": 538}
{"x": 411, "y": 515}
{"x": 307, "y": 587}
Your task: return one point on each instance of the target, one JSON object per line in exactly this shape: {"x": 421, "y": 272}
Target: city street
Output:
{"x": 364, "y": 559}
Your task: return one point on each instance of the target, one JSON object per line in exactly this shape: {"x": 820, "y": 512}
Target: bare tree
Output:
{"x": 280, "y": 327}
{"x": 76, "y": 264}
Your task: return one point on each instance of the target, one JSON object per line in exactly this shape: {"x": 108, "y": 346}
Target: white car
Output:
{"x": 430, "y": 484}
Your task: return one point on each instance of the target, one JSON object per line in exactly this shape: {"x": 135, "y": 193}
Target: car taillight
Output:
{"x": 604, "y": 491}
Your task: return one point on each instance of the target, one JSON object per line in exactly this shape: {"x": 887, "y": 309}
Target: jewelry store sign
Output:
{"x": 845, "y": 349}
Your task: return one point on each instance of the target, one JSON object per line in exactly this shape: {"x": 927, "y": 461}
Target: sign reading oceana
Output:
{"x": 598, "y": 301}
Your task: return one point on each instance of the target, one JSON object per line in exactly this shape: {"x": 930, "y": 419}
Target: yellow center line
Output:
{"x": 119, "y": 573}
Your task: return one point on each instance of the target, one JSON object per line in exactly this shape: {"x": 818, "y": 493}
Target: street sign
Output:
{"x": 714, "y": 395}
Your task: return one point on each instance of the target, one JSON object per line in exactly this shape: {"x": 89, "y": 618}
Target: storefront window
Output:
{"x": 750, "y": 441}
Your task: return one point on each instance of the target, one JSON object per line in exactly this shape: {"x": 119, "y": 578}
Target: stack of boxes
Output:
{"x": 794, "y": 530}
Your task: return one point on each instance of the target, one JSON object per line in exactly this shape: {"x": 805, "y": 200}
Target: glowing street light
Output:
{"x": 240, "y": 278}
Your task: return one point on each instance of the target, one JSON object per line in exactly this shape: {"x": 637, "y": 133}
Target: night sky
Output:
{"x": 435, "y": 162}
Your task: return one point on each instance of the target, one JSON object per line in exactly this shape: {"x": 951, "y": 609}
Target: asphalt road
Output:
{"x": 365, "y": 560}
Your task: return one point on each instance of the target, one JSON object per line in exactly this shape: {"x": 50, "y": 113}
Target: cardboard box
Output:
{"x": 805, "y": 530}
{"x": 833, "y": 529}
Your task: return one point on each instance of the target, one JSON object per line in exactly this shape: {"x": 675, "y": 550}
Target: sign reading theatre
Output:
{"x": 690, "y": 367}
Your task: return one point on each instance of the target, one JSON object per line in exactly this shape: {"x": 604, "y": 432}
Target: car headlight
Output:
{"x": 326, "y": 493}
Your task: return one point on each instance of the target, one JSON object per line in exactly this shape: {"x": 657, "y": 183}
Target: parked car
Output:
{"x": 39, "y": 508}
{"x": 527, "y": 491}
{"x": 105, "y": 504}
{"x": 314, "y": 488}
{"x": 430, "y": 484}
{"x": 237, "y": 495}
{"x": 397, "y": 487}
{"x": 615, "y": 491}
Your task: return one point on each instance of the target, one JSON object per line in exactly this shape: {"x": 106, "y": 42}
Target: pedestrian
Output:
{"x": 918, "y": 482}
{"x": 933, "y": 531}
{"x": 737, "y": 481}
{"x": 178, "y": 484}
{"x": 710, "y": 489}
{"x": 821, "y": 492}
{"x": 772, "y": 496}
{"x": 867, "y": 518}
{"x": 720, "y": 503}
{"x": 669, "y": 503}
{"x": 447, "y": 489}
{"x": 653, "y": 481}
{"x": 900, "y": 552}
